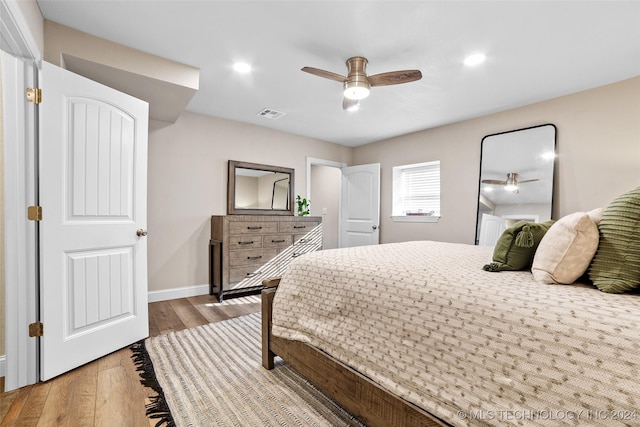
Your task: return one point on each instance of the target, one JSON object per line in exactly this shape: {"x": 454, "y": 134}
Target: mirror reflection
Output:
{"x": 516, "y": 180}
{"x": 257, "y": 189}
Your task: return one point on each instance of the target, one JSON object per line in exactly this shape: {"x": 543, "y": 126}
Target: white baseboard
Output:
{"x": 167, "y": 294}
{"x": 3, "y": 366}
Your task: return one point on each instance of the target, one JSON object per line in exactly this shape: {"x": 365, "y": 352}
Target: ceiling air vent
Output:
{"x": 271, "y": 114}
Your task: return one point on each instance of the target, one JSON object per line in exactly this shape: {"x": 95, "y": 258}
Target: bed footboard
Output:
{"x": 350, "y": 389}
{"x": 267, "y": 304}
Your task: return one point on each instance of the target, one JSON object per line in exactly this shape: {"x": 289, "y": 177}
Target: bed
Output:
{"x": 418, "y": 334}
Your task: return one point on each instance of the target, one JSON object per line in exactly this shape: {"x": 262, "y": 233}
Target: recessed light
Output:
{"x": 475, "y": 59}
{"x": 242, "y": 67}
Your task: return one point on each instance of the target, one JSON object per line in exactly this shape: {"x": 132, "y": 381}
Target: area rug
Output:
{"x": 212, "y": 375}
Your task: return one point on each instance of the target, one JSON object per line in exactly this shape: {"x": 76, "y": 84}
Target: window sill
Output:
{"x": 415, "y": 218}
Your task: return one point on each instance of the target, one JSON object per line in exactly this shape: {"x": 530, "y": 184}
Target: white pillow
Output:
{"x": 566, "y": 250}
{"x": 596, "y": 215}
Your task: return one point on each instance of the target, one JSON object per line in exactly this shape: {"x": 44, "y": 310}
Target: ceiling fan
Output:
{"x": 511, "y": 183}
{"x": 357, "y": 84}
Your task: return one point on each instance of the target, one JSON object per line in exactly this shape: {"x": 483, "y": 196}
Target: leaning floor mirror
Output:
{"x": 516, "y": 180}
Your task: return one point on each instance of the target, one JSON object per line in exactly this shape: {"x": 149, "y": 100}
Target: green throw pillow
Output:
{"x": 517, "y": 245}
{"x": 615, "y": 268}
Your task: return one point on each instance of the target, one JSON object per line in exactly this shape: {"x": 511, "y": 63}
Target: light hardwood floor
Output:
{"x": 107, "y": 392}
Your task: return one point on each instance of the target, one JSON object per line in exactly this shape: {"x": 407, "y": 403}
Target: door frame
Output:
{"x": 19, "y": 70}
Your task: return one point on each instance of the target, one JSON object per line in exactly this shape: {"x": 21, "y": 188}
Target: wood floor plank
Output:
{"x": 72, "y": 398}
{"x": 28, "y": 412}
{"x": 17, "y": 400}
{"x": 153, "y": 327}
{"x": 112, "y": 360}
{"x": 7, "y": 400}
{"x": 235, "y": 310}
{"x": 188, "y": 314}
{"x": 117, "y": 401}
{"x": 209, "y": 307}
{"x": 165, "y": 317}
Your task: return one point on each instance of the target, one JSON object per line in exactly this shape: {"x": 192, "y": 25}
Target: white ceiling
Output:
{"x": 535, "y": 50}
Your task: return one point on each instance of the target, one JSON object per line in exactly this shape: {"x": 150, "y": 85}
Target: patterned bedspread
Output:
{"x": 423, "y": 320}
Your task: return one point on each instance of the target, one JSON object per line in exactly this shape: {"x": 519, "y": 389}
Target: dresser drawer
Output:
{"x": 251, "y": 257}
{"x": 244, "y": 242}
{"x": 258, "y": 227}
{"x": 303, "y": 239}
{"x": 303, "y": 249}
{"x": 238, "y": 274}
{"x": 297, "y": 227}
{"x": 277, "y": 241}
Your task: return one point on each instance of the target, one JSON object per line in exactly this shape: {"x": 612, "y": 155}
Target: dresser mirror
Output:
{"x": 257, "y": 189}
{"x": 516, "y": 180}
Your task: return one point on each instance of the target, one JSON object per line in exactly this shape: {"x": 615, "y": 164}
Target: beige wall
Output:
{"x": 188, "y": 184}
{"x": 598, "y": 145}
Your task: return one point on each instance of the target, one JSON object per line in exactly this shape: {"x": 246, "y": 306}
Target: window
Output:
{"x": 416, "y": 192}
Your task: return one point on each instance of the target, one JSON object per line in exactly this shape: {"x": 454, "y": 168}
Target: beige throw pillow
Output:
{"x": 566, "y": 250}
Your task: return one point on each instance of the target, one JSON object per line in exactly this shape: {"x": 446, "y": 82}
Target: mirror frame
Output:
{"x": 231, "y": 188}
{"x": 554, "y": 168}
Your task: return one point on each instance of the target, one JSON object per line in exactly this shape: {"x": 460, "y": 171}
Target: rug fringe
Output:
{"x": 158, "y": 408}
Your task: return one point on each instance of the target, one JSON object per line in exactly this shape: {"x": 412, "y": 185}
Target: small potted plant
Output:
{"x": 304, "y": 206}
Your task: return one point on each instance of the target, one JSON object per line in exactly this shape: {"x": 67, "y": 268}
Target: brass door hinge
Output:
{"x": 34, "y": 95}
{"x": 36, "y": 329}
{"x": 34, "y": 213}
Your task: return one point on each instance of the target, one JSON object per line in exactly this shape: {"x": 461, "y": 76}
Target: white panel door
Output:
{"x": 491, "y": 228}
{"x": 93, "y": 193}
{"x": 360, "y": 206}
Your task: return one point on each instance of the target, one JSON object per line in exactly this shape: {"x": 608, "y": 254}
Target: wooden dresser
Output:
{"x": 246, "y": 249}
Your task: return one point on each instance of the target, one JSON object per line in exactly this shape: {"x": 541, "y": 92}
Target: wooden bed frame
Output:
{"x": 354, "y": 392}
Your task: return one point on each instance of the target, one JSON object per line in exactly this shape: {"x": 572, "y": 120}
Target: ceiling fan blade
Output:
{"x": 322, "y": 73}
{"x": 528, "y": 180}
{"x": 494, "y": 181}
{"x": 350, "y": 104}
{"x": 394, "y": 77}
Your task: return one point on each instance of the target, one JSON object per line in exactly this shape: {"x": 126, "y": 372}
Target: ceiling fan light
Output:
{"x": 354, "y": 107}
{"x": 242, "y": 67}
{"x": 511, "y": 187}
{"x": 474, "y": 59}
{"x": 356, "y": 90}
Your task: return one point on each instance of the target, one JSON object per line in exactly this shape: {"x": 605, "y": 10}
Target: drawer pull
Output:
{"x": 254, "y": 228}
{"x": 254, "y": 257}
{"x": 299, "y": 226}
{"x": 302, "y": 241}
{"x": 277, "y": 241}
{"x": 295, "y": 255}
{"x": 246, "y": 243}
{"x": 254, "y": 274}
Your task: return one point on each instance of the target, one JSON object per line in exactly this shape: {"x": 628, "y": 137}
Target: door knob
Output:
{"x": 141, "y": 232}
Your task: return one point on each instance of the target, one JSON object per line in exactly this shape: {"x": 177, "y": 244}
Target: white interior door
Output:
{"x": 491, "y": 228}
{"x": 360, "y": 206}
{"x": 93, "y": 169}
